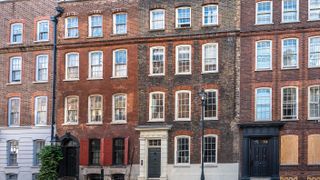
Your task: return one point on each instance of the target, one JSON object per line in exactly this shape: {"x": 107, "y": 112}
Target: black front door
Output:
{"x": 154, "y": 162}
{"x": 71, "y": 155}
{"x": 260, "y": 157}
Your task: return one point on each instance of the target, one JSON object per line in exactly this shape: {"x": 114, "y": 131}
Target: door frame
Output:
{"x": 256, "y": 130}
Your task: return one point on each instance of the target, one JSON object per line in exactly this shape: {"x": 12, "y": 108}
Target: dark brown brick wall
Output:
{"x": 277, "y": 78}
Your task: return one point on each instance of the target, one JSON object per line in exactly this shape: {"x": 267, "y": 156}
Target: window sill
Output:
{"x": 264, "y": 24}
{"x": 182, "y": 120}
{"x": 94, "y": 79}
{"x": 156, "y": 120}
{"x": 156, "y": 30}
{"x": 94, "y": 124}
{"x": 121, "y": 34}
{"x": 14, "y": 126}
{"x": 289, "y": 120}
{"x": 14, "y": 44}
{"x": 118, "y": 122}
{"x": 210, "y": 119}
{"x": 289, "y": 165}
{"x": 39, "y": 82}
{"x": 210, "y": 72}
{"x": 70, "y": 124}
{"x": 314, "y": 119}
{"x": 120, "y": 166}
{"x": 122, "y": 77}
{"x": 313, "y": 67}
{"x": 182, "y": 74}
{"x": 210, "y": 165}
{"x": 313, "y": 20}
{"x": 210, "y": 25}
{"x": 94, "y": 37}
{"x": 12, "y": 166}
{"x": 14, "y": 83}
{"x": 40, "y": 126}
{"x": 41, "y": 41}
{"x": 262, "y": 70}
{"x": 282, "y": 22}
{"x": 69, "y": 38}
{"x": 70, "y": 80}
{"x": 35, "y": 166}
{"x": 289, "y": 68}
{"x": 156, "y": 75}
{"x": 182, "y": 166}
{"x": 182, "y": 28}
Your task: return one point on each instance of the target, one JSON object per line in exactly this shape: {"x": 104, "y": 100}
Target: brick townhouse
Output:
{"x": 280, "y": 89}
{"x": 128, "y": 81}
{"x": 25, "y": 85}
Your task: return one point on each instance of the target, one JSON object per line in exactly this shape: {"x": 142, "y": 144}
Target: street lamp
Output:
{"x": 203, "y": 96}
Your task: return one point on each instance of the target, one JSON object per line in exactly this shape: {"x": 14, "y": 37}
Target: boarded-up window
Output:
{"x": 289, "y": 150}
{"x": 313, "y": 149}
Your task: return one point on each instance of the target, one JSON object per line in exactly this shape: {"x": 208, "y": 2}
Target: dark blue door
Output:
{"x": 154, "y": 162}
{"x": 260, "y": 157}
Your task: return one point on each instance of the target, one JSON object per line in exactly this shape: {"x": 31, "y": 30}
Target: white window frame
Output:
{"x": 114, "y": 121}
{"x": 282, "y": 13}
{"x": 37, "y": 68}
{"x": 10, "y": 73}
{"x": 90, "y": 64}
{"x": 309, "y": 47}
{"x": 176, "y": 150}
{"x": 11, "y": 33}
{"x": 90, "y": 26}
{"x": 114, "y": 63}
{"x": 217, "y": 140}
{"x": 66, "y": 67}
{"x": 203, "y": 17}
{"x": 177, "y": 107}
{"x": 255, "y": 104}
{"x": 256, "y": 56}
{"x": 203, "y": 58}
{"x": 177, "y": 15}
{"x": 36, "y": 99}
{"x": 89, "y": 109}
{"x": 177, "y": 61}
{"x": 309, "y": 98}
{"x": 66, "y": 28}
{"x": 38, "y": 31}
{"x": 66, "y": 110}
{"x": 282, "y": 53}
{"x": 9, "y": 111}
{"x": 217, "y": 104}
{"x": 115, "y": 23}
{"x": 271, "y": 13}
{"x": 164, "y": 107}
{"x": 151, "y": 19}
{"x": 151, "y": 61}
{"x": 297, "y": 97}
{"x": 309, "y": 11}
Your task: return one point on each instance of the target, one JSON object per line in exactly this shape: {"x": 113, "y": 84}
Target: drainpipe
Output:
{"x": 54, "y": 19}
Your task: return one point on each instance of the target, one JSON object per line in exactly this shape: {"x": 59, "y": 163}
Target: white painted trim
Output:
{"x": 176, "y": 149}
{"x": 216, "y": 148}
{"x": 10, "y": 73}
{"x": 177, "y": 57}
{"x": 282, "y": 13}
{"x": 151, "y": 19}
{"x": 113, "y": 109}
{"x": 255, "y": 104}
{"x": 297, "y": 97}
{"x": 66, "y": 110}
{"x": 151, "y": 61}
{"x": 11, "y": 33}
{"x": 114, "y": 23}
{"x": 90, "y": 25}
{"x": 309, "y": 47}
{"x": 203, "y": 57}
{"x": 9, "y": 111}
{"x": 164, "y": 107}
{"x": 38, "y": 30}
{"x": 37, "y": 67}
{"x": 271, "y": 12}
{"x": 90, "y": 64}
{"x": 66, "y": 66}
{"x": 256, "y": 56}
{"x": 36, "y": 100}
{"x": 89, "y": 109}
{"x": 66, "y": 27}
{"x": 177, "y": 108}
{"x": 113, "y": 63}
{"x": 217, "y": 104}
{"x": 309, "y": 95}
{"x": 183, "y": 7}
{"x": 282, "y": 51}
{"x": 210, "y": 24}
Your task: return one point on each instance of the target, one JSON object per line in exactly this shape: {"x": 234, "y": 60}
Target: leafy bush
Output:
{"x": 50, "y": 157}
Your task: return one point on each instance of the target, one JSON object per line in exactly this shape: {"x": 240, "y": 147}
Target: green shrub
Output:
{"x": 50, "y": 157}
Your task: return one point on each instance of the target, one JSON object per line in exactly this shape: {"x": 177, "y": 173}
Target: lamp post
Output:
{"x": 56, "y": 141}
{"x": 203, "y": 96}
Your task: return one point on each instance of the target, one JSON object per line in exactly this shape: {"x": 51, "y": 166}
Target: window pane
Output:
{"x": 289, "y": 103}
{"x": 263, "y": 55}
{"x": 157, "y": 106}
{"x": 96, "y": 65}
{"x": 290, "y": 10}
{"x": 157, "y": 19}
{"x": 95, "y": 108}
{"x": 72, "y": 110}
{"x": 210, "y": 149}
{"x": 184, "y": 17}
{"x": 120, "y": 64}
{"x": 94, "y": 156}
{"x": 14, "y": 112}
{"x": 182, "y": 150}
{"x": 263, "y": 104}
{"x": 157, "y": 60}
{"x": 211, "y": 108}
{"x": 210, "y": 15}
{"x": 314, "y": 52}
{"x": 183, "y": 105}
{"x": 184, "y": 58}
{"x": 264, "y": 12}
{"x": 42, "y": 68}
{"x": 72, "y": 66}
{"x": 120, "y": 108}
{"x": 314, "y": 10}
{"x": 41, "y": 110}
{"x": 290, "y": 53}
{"x": 118, "y": 151}
{"x": 314, "y": 102}
{"x": 120, "y": 23}
{"x": 210, "y": 57}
